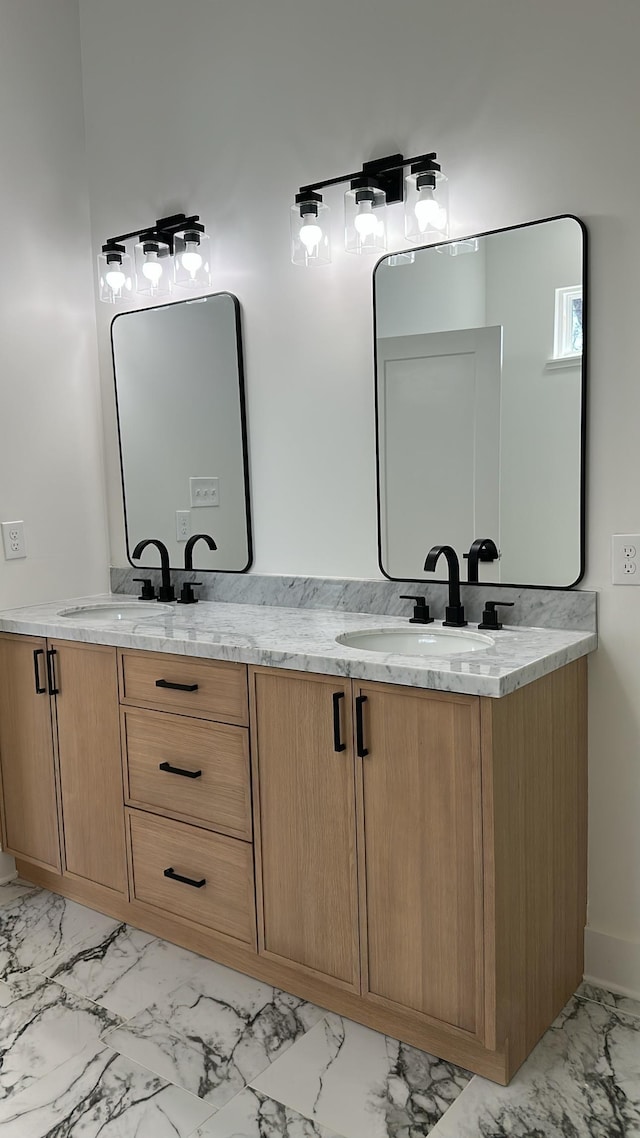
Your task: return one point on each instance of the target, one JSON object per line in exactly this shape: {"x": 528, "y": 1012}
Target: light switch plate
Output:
{"x": 204, "y": 491}
{"x": 13, "y": 540}
{"x": 625, "y": 559}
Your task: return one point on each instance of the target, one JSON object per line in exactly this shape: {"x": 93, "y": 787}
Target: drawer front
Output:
{"x": 189, "y": 767}
{"x": 211, "y": 689}
{"x": 226, "y": 900}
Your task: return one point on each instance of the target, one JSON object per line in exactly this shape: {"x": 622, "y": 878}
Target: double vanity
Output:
{"x": 386, "y": 819}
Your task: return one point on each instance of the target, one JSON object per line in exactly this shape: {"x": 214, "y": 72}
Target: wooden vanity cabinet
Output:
{"x": 60, "y": 758}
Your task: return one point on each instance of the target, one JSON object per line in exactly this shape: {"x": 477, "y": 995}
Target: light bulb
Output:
{"x": 364, "y": 221}
{"x": 152, "y": 268}
{"x": 191, "y": 258}
{"x": 311, "y": 236}
{"x": 115, "y": 278}
{"x": 428, "y": 211}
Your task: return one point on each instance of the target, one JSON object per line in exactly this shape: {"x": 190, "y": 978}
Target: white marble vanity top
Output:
{"x": 304, "y": 640}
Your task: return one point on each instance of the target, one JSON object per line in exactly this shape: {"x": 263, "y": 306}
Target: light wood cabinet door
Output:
{"x": 305, "y": 823}
{"x": 30, "y": 810}
{"x": 420, "y": 843}
{"x": 86, "y": 680}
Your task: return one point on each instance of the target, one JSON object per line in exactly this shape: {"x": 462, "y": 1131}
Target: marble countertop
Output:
{"x": 304, "y": 640}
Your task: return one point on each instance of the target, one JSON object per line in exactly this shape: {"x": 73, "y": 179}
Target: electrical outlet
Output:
{"x": 204, "y": 491}
{"x": 183, "y": 525}
{"x": 625, "y": 559}
{"x": 13, "y": 540}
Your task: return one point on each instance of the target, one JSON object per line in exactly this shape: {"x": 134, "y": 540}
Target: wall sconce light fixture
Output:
{"x": 171, "y": 254}
{"x": 378, "y": 184}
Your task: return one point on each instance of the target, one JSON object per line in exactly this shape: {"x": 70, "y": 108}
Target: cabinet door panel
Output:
{"x": 307, "y": 823}
{"x": 90, "y": 762}
{"x": 420, "y": 841}
{"x": 26, "y": 754}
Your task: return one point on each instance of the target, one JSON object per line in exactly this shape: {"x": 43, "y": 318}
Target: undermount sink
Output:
{"x": 416, "y": 641}
{"x": 105, "y": 613}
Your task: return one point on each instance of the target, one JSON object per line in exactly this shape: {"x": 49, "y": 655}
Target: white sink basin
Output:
{"x": 416, "y": 641}
{"x": 106, "y": 613}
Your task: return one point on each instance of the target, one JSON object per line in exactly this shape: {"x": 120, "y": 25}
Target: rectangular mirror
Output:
{"x": 480, "y": 403}
{"x": 182, "y": 425}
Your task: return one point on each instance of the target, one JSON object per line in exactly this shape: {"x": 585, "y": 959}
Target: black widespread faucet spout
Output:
{"x": 188, "y": 549}
{"x": 165, "y": 592}
{"x": 454, "y": 612}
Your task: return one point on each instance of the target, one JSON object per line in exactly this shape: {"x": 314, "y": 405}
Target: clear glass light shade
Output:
{"x": 310, "y": 242}
{"x": 154, "y": 267}
{"x": 364, "y": 220}
{"x": 426, "y": 207}
{"x": 115, "y": 272}
{"x": 192, "y": 259}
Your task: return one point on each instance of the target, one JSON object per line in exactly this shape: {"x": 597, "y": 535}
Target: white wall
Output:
{"x": 227, "y": 108}
{"x": 50, "y": 431}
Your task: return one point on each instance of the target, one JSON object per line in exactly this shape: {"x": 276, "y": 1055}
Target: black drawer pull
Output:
{"x": 179, "y": 770}
{"x": 360, "y": 747}
{"x": 51, "y": 671}
{"x": 176, "y": 687}
{"x": 338, "y": 745}
{"x": 185, "y": 880}
{"x": 40, "y": 690}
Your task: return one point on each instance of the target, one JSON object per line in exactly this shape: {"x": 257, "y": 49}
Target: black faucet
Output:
{"x": 454, "y": 612}
{"x": 165, "y": 592}
{"x": 187, "y": 596}
{"x": 482, "y": 549}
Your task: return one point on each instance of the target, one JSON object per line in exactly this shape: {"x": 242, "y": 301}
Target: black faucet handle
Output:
{"x": 490, "y": 616}
{"x": 420, "y": 610}
{"x": 147, "y": 593}
{"x": 187, "y": 595}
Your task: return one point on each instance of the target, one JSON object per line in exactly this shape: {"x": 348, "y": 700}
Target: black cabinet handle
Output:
{"x": 36, "y": 669}
{"x": 51, "y": 671}
{"x": 171, "y": 873}
{"x": 338, "y": 745}
{"x": 179, "y": 770}
{"x": 176, "y": 687}
{"x": 360, "y": 747}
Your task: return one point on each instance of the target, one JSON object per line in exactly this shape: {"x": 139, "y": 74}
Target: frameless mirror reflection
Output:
{"x": 183, "y": 447}
{"x": 479, "y": 403}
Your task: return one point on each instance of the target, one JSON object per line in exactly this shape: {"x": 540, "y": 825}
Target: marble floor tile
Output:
{"x": 98, "y": 1094}
{"x": 39, "y": 925}
{"x": 583, "y": 1078}
{"x": 625, "y": 1004}
{"x": 361, "y": 1084}
{"x": 41, "y": 1026}
{"x": 124, "y": 971}
{"x": 216, "y": 1032}
{"x": 15, "y": 889}
{"x": 252, "y": 1115}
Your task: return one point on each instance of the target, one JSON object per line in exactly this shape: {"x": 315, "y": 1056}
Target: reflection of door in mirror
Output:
{"x": 440, "y": 412}
{"x": 479, "y": 403}
{"x": 179, "y": 386}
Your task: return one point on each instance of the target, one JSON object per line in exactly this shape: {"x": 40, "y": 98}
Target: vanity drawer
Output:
{"x": 226, "y": 900}
{"x": 209, "y": 689}
{"x": 220, "y": 795}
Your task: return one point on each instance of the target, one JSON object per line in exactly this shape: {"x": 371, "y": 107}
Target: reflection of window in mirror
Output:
{"x": 567, "y": 334}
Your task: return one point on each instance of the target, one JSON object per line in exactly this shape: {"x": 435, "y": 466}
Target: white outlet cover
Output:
{"x": 13, "y": 540}
{"x": 625, "y": 559}
{"x": 204, "y": 492}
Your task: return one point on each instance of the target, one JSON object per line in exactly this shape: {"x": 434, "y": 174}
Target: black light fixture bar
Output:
{"x": 164, "y": 229}
{"x": 387, "y": 171}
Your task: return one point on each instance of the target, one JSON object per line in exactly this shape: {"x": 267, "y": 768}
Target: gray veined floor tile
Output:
{"x": 361, "y": 1084}
{"x": 625, "y": 1004}
{"x": 583, "y": 1078}
{"x": 41, "y": 1026}
{"x": 98, "y": 1094}
{"x": 16, "y": 889}
{"x": 124, "y": 971}
{"x": 253, "y": 1115}
{"x": 216, "y": 1032}
{"x": 39, "y": 925}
